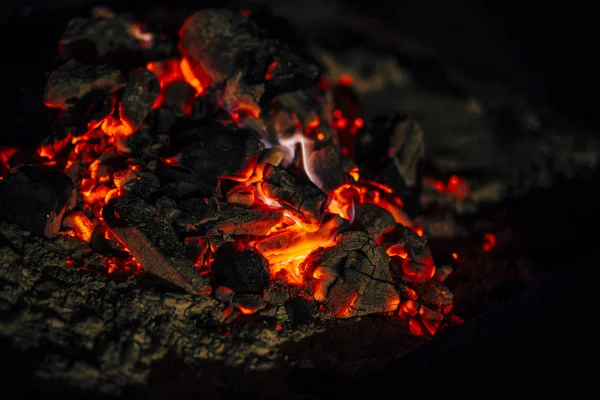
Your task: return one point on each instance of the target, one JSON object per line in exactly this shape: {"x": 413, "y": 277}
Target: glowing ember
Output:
{"x": 268, "y": 202}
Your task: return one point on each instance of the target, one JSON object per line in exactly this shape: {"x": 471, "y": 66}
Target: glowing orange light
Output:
{"x": 320, "y": 136}
{"x": 489, "y": 241}
{"x": 346, "y": 80}
{"x": 359, "y": 122}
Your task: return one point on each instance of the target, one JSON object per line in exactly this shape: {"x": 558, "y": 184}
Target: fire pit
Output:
{"x": 214, "y": 203}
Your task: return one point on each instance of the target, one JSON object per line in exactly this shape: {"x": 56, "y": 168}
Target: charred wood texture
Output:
{"x": 215, "y": 151}
{"x": 373, "y": 219}
{"x": 303, "y": 199}
{"x": 241, "y": 271}
{"x": 35, "y": 198}
{"x": 392, "y": 148}
{"x": 153, "y": 242}
{"x": 140, "y": 93}
{"x": 352, "y": 278}
{"x": 74, "y": 81}
{"x": 209, "y": 216}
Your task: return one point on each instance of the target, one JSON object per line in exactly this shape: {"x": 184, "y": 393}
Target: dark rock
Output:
{"x": 35, "y": 198}
{"x": 241, "y": 271}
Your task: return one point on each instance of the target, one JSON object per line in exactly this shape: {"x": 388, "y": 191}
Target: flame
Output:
{"x": 287, "y": 244}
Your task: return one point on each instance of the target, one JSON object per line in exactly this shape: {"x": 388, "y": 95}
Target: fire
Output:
{"x": 288, "y": 243}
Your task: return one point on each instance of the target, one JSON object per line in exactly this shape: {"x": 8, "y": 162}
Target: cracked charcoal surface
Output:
{"x": 352, "y": 278}
{"x": 303, "y": 199}
{"x": 140, "y": 93}
{"x": 111, "y": 336}
{"x": 205, "y": 217}
{"x": 74, "y": 81}
{"x": 373, "y": 219}
{"x": 153, "y": 242}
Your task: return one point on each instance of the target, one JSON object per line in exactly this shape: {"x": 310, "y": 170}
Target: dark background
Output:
{"x": 545, "y": 51}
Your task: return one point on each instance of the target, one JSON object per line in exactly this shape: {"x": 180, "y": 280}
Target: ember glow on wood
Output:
{"x": 232, "y": 172}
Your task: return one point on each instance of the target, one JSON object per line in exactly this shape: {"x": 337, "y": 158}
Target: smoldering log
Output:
{"x": 35, "y": 198}
{"x": 140, "y": 93}
{"x": 242, "y": 271}
{"x": 353, "y": 277}
{"x": 210, "y": 216}
{"x": 302, "y": 198}
{"x": 73, "y": 81}
{"x": 153, "y": 242}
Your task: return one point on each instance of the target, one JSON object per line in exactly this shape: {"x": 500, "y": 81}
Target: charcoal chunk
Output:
{"x": 35, "y": 198}
{"x": 408, "y": 240}
{"x": 303, "y": 199}
{"x": 300, "y": 309}
{"x": 288, "y": 71}
{"x": 205, "y": 217}
{"x": 77, "y": 119}
{"x": 93, "y": 38}
{"x": 140, "y": 93}
{"x": 242, "y": 271}
{"x": 74, "y": 81}
{"x": 227, "y": 49}
{"x": 215, "y": 151}
{"x": 177, "y": 97}
{"x": 352, "y": 278}
{"x": 392, "y": 148}
{"x": 248, "y": 303}
{"x": 373, "y": 219}
{"x": 142, "y": 184}
{"x": 436, "y": 296}
{"x": 153, "y": 242}
{"x": 327, "y": 168}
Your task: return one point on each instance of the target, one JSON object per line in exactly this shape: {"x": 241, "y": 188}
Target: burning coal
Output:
{"x": 228, "y": 171}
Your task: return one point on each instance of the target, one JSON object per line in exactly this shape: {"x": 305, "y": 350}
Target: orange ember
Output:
{"x": 90, "y": 159}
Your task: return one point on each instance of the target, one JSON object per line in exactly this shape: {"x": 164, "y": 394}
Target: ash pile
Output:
{"x": 214, "y": 197}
